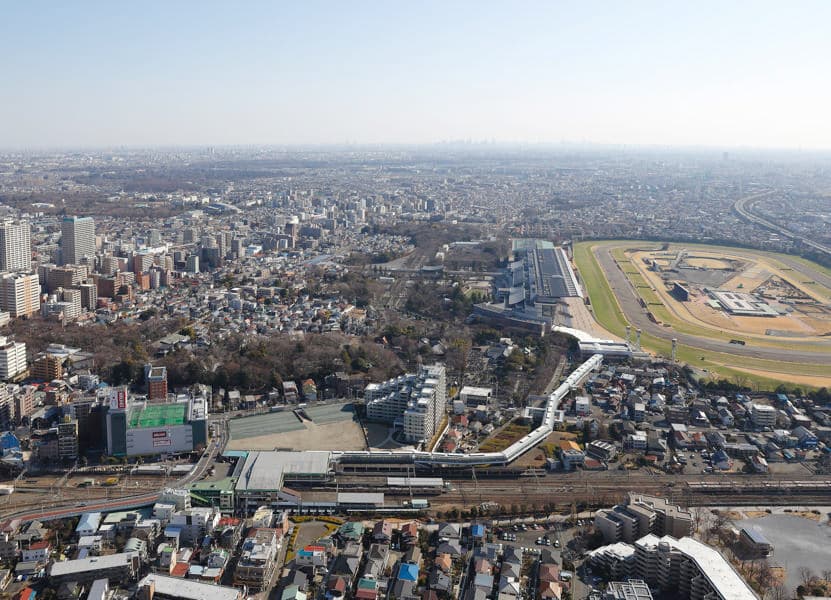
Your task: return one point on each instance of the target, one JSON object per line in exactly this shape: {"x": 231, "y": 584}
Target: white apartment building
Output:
{"x": 15, "y": 246}
{"x": 691, "y": 569}
{"x": 12, "y": 358}
{"x": 416, "y": 401}
{"x": 20, "y": 294}
{"x": 763, "y": 415}
{"x": 77, "y": 240}
{"x": 642, "y": 515}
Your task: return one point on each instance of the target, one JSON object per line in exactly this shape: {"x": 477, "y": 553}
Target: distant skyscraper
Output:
{"x": 15, "y": 246}
{"x": 77, "y": 240}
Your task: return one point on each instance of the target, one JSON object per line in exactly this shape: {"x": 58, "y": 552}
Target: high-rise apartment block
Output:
{"x": 416, "y": 401}
{"x": 15, "y": 246}
{"x": 77, "y": 240}
{"x": 12, "y": 358}
{"x": 20, "y": 294}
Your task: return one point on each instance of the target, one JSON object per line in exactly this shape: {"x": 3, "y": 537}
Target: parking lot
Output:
{"x": 535, "y": 536}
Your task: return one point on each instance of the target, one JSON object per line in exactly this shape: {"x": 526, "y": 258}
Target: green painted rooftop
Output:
{"x": 158, "y": 415}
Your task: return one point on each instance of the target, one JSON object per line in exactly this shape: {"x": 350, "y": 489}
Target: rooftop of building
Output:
{"x": 188, "y": 589}
{"x": 93, "y": 563}
{"x": 266, "y": 470}
{"x": 158, "y": 415}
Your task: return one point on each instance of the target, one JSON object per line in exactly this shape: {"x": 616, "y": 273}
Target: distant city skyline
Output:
{"x": 710, "y": 74}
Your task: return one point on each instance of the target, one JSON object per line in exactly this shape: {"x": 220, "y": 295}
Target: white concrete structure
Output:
{"x": 418, "y": 401}
{"x": 15, "y": 246}
{"x": 12, "y": 358}
{"x": 689, "y": 568}
{"x": 473, "y": 396}
{"x": 763, "y": 415}
{"x": 77, "y": 240}
{"x": 20, "y": 294}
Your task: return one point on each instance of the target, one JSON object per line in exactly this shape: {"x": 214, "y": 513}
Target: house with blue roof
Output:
{"x": 408, "y": 572}
{"x": 9, "y": 441}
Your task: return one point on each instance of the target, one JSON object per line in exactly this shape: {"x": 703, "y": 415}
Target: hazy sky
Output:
{"x": 749, "y": 73}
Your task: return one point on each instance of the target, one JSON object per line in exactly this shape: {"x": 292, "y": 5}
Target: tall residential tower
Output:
{"x": 77, "y": 240}
{"x": 15, "y": 246}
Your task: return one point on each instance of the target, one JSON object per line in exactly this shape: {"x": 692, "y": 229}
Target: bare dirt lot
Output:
{"x": 342, "y": 435}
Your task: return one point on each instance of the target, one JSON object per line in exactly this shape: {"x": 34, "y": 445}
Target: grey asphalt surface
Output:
{"x": 797, "y": 542}
{"x": 636, "y": 315}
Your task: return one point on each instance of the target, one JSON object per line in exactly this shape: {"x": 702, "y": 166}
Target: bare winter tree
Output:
{"x": 778, "y": 592}
{"x": 806, "y": 576}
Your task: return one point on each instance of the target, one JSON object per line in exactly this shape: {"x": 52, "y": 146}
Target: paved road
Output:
{"x": 744, "y": 207}
{"x": 636, "y": 315}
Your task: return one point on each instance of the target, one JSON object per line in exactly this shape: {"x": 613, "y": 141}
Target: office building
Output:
{"x": 68, "y": 439}
{"x": 193, "y": 263}
{"x": 12, "y": 358}
{"x": 47, "y": 367}
{"x": 89, "y": 296}
{"x": 77, "y": 240}
{"x": 20, "y": 294}
{"x": 15, "y": 246}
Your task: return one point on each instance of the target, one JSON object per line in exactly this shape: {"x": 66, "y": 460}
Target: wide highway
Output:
{"x": 636, "y": 315}
{"x": 744, "y": 207}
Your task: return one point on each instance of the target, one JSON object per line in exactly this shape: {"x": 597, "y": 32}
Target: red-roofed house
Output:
{"x": 382, "y": 532}
{"x": 336, "y": 587}
{"x": 409, "y": 531}
{"x": 549, "y": 572}
{"x": 444, "y": 562}
{"x": 180, "y": 570}
{"x": 26, "y": 594}
{"x": 37, "y": 551}
{"x": 550, "y": 590}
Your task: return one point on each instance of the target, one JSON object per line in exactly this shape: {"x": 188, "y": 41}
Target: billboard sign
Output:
{"x": 118, "y": 398}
